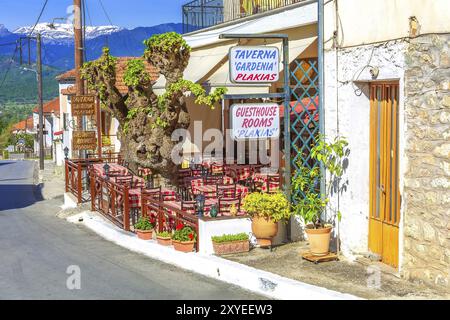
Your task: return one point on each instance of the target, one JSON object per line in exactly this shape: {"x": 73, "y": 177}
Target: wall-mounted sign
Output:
{"x": 84, "y": 140}
{"x": 254, "y": 64}
{"x": 255, "y": 121}
{"x": 83, "y": 105}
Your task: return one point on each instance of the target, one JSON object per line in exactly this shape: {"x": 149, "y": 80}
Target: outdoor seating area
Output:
{"x": 207, "y": 191}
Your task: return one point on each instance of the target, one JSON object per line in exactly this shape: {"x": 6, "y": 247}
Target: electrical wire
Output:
{"x": 106, "y": 13}
{"x": 39, "y": 18}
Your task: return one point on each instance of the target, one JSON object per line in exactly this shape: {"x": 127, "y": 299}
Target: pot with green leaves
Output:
{"x": 184, "y": 238}
{"x": 231, "y": 243}
{"x": 164, "y": 238}
{"x": 266, "y": 210}
{"x": 144, "y": 228}
{"x": 311, "y": 204}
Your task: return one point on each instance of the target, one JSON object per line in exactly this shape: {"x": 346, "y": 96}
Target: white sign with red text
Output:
{"x": 255, "y": 121}
{"x": 254, "y": 64}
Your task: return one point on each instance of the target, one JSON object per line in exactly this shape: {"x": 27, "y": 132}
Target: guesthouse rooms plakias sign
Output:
{"x": 255, "y": 121}
{"x": 259, "y": 64}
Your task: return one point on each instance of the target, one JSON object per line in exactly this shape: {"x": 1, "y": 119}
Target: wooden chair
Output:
{"x": 124, "y": 180}
{"x": 153, "y": 193}
{"x": 217, "y": 169}
{"x": 272, "y": 184}
{"x": 226, "y": 190}
{"x": 188, "y": 206}
{"x": 213, "y": 180}
{"x": 225, "y": 205}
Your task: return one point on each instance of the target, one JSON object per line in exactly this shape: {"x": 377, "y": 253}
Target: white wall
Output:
{"x": 367, "y": 21}
{"x": 347, "y": 112}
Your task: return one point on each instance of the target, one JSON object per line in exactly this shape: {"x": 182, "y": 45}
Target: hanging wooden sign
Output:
{"x": 84, "y": 140}
{"x": 83, "y": 105}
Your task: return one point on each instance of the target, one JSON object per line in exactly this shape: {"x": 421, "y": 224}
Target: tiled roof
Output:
{"x": 120, "y": 71}
{"x": 20, "y": 126}
{"x": 49, "y": 107}
{"x": 69, "y": 75}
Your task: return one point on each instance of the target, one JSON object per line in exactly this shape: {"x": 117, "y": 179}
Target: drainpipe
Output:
{"x": 320, "y": 7}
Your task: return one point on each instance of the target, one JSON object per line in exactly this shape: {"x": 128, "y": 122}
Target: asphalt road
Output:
{"x": 37, "y": 248}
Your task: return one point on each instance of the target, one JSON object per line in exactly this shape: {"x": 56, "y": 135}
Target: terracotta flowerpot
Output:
{"x": 164, "y": 241}
{"x": 264, "y": 230}
{"x": 144, "y": 234}
{"x": 231, "y": 247}
{"x": 183, "y": 246}
{"x": 319, "y": 240}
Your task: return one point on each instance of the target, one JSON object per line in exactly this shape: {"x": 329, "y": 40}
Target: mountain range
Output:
{"x": 58, "y": 48}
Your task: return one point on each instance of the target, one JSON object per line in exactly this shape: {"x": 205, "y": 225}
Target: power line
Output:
{"x": 106, "y": 13}
{"x": 39, "y": 18}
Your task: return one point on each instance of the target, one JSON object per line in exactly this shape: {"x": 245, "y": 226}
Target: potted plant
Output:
{"x": 310, "y": 203}
{"x": 231, "y": 243}
{"x": 144, "y": 228}
{"x": 184, "y": 238}
{"x": 266, "y": 210}
{"x": 164, "y": 238}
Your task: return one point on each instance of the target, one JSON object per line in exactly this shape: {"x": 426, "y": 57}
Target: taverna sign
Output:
{"x": 255, "y": 121}
{"x": 259, "y": 64}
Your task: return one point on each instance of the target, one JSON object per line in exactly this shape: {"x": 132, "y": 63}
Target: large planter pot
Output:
{"x": 183, "y": 246}
{"x": 231, "y": 247}
{"x": 164, "y": 241}
{"x": 319, "y": 240}
{"x": 144, "y": 234}
{"x": 264, "y": 229}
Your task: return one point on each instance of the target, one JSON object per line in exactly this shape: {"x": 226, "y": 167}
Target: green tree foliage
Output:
{"x": 147, "y": 120}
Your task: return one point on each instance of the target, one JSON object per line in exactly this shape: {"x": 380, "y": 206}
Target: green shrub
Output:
{"x": 143, "y": 224}
{"x": 5, "y": 154}
{"x": 274, "y": 206}
{"x": 164, "y": 234}
{"x": 230, "y": 238}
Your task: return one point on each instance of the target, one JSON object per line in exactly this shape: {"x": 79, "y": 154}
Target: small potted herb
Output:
{"x": 231, "y": 243}
{"x": 164, "y": 238}
{"x": 144, "y": 228}
{"x": 184, "y": 238}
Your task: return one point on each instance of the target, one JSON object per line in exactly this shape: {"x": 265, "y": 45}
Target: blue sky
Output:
{"x": 128, "y": 13}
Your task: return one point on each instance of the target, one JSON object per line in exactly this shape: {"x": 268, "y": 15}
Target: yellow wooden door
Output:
{"x": 384, "y": 190}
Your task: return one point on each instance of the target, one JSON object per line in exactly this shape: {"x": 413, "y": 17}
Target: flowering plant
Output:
{"x": 184, "y": 233}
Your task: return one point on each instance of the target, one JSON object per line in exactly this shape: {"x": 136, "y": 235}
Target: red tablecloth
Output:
{"x": 241, "y": 172}
{"x": 212, "y": 189}
{"x": 261, "y": 178}
{"x": 135, "y": 196}
{"x": 113, "y": 168}
{"x": 197, "y": 181}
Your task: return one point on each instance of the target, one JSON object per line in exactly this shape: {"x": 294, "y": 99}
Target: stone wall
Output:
{"x": 426, "y": 198}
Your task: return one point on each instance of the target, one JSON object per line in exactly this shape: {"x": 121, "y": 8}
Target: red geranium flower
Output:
{"x": 180, "y": 226}
{"x": 191, "y": 236}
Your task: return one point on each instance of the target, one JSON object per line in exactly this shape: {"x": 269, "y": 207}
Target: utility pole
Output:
{"x": 41, "y": 104}
{"x": 79, "y": 50}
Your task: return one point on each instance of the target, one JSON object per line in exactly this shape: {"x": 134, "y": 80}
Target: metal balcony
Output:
{"x": 200, "y": 14}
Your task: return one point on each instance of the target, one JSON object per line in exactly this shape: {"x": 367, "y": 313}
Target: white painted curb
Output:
{"x": 258, "y": 281}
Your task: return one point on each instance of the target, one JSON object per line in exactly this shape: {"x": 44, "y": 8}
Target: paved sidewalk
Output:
{"x": 255, "y": 280}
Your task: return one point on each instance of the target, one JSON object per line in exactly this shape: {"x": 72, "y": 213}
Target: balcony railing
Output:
{"x": 200, "y": 14}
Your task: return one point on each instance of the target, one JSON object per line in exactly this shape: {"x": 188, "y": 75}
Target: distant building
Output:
{"x": 51, "y": 125}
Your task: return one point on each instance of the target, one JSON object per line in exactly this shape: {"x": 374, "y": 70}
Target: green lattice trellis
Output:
{"x": 305, "y": 113}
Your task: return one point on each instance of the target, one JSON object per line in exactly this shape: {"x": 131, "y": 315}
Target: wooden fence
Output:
{"x": 166, "y": 216}
{"x": 77, "y": 176}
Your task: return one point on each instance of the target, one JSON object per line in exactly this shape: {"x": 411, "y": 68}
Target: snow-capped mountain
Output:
{"x": 3, "y": 31}
{"x": 63, "y": 32}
